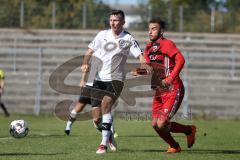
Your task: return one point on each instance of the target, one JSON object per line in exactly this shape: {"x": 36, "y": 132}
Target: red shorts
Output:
{"x": 166, "y": 104}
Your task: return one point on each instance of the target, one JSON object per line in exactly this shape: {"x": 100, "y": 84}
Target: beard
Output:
{"x": 159, "y": 35}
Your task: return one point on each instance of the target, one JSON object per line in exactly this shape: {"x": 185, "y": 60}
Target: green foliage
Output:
{"x": 197, "y": 14}
{"x": 38, "y": 14}
{"x": 69, "y": 14}
{"x": 9, "y": 13}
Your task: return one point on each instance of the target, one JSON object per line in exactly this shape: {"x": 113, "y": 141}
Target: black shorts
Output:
{"x": 100, "y": 89}
{"x": 85, "y": 96}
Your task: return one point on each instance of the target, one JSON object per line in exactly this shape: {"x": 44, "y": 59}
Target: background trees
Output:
{"x": 180, "y": 15}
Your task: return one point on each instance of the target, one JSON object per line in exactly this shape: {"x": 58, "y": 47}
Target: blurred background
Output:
{"x": 220, "y": 16}
{"x": 36, "y": 37}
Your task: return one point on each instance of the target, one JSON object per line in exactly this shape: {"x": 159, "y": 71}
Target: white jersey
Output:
{"x": 113, "y": 52}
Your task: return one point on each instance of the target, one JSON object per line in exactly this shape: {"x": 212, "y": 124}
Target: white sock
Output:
{"x": 69, "y": 125}
{"x": 106, "y": 118}
{"x": 73, "y": 115}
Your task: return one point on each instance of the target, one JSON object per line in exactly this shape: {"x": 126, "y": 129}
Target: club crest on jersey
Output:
{"x": 124, "y": 44}
{"x": 110, "y": 46}
{"x": 165, "y": 110}
{"x": 154, "y": 48}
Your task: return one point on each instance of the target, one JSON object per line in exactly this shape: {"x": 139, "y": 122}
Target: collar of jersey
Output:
{"x": 118, "y": 36}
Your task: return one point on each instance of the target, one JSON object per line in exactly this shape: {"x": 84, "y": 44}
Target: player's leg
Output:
{"x": 113, "y": 124}
{"x": 175, "y": 127}
{"x": 73, "y": 115}
{"x": 97, "y": 122}
{"x": 111, "y": 139}
{"x": 188, "y": 130}
{"x": 84, "y": 98}
{"x": 160, "y": 120}
{"x": 106, "y": 123}
{"x": 113, "y": 128}
{"x": 4, "y": 109}
{"x": 97, "y": 98}
{"x": 115, "y": 88}
{"x": 97, "y": 117}
{"x": 162, "y": 129}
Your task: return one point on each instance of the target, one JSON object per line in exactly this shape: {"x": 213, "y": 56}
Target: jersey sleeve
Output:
{"x": 96, "y": 42}
{"x": 179, "y": 63}
{"x": 135, "y": 49}
{"x": 171, "y": 49}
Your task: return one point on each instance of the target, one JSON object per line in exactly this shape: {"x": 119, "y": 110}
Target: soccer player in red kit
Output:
{"x": 166, "y": 62}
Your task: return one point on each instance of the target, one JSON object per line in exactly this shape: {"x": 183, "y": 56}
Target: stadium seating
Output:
{"x": 211, "y": 73}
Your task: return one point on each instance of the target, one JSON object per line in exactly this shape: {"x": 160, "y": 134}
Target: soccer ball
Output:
{"x": 18, "y": 128}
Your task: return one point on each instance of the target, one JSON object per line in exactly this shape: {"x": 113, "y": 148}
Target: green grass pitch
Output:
{"x": 216, "y": 139}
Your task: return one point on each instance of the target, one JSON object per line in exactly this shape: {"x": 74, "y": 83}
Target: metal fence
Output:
{"x": 56, "y": 15}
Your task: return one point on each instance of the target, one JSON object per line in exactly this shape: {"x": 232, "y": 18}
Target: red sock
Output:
{"x": 166, "y": 136}
{"x": 179, "y": 128}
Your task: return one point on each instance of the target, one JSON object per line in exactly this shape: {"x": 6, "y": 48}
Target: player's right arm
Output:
{"x": 85, "y": 66}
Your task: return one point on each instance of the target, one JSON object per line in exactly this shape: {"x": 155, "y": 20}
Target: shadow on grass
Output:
{"x": 212, "y": 151}
{"x": 49, "y": 136}
{"x": 149, "y": 135}
{"x": 30, "y": 154}
{"x": 192, "y": 151}
{"x": 136, "y": 136}
{"x": 141, "y": 151}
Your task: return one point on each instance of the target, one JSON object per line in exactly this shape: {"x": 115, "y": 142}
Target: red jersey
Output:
{"x": 166, "y": 60}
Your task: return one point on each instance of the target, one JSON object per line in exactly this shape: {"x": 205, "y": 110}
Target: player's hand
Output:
{"x": 148, "y": 68}
{"x": 164, "y": 83}
{"x": 140, "y": 71}
{"x": 134, "y": 72}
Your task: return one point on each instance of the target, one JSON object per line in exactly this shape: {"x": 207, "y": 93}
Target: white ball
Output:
{"x": 18, "y": 128}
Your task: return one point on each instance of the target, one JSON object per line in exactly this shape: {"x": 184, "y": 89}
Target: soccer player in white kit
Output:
{"x": 112, "y": 47}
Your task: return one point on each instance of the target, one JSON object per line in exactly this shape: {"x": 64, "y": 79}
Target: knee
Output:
{"x": 154, "y": 126}
{"x": 160, "y": 125}
{"x": 96, "y": 112}
{"x": 106, "y": 103}
{"x": 79, "y": 107}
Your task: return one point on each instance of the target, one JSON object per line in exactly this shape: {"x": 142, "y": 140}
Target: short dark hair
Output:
{"x": 118, "y": 12}
{"x": 159, "y": 21}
